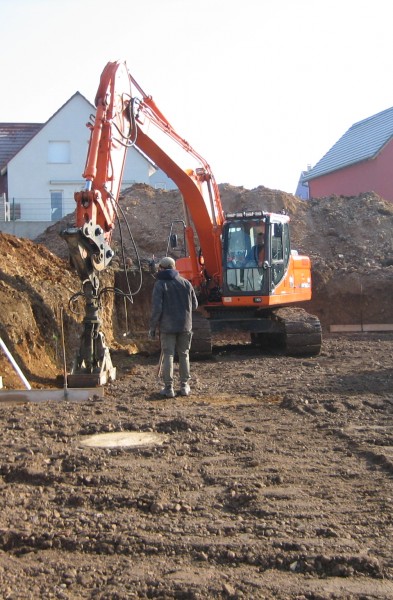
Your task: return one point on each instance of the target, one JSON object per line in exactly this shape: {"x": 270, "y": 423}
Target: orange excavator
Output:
{"x": 241, "y": 264}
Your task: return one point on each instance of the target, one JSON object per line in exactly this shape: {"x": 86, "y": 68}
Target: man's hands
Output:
{"x": 152, "y": 334}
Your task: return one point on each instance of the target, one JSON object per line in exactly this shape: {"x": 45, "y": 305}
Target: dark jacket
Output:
{"x": 173, "y": 301}
{"x": 253, "y": 253}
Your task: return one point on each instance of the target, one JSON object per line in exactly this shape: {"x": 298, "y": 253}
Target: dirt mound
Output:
{"x": 35, "y": 289}
{"x": 351, "y": 232}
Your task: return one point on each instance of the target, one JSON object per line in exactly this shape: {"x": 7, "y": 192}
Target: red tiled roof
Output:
{"x": 13, "y": 136}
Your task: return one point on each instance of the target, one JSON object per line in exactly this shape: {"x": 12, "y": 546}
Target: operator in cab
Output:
{"x": 256, "y": 255}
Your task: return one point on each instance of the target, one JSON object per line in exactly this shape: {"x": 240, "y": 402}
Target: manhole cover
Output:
{"x": 123, "y": 439}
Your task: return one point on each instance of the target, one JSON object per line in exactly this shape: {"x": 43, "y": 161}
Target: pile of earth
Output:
{"x": 348, "y": 239}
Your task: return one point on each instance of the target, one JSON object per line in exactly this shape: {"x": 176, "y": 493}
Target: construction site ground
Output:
{"x": 273, "y": 479}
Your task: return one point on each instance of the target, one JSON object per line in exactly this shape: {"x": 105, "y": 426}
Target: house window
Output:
{"x": 56, "y": 205}
{"x": 59, "y": 152}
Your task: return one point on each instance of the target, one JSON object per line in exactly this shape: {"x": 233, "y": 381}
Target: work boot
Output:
{"x": 185, "y": 389}
{"x": 167, "y": 391}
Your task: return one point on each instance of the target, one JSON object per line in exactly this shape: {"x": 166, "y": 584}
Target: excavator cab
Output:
{"x": 262, "y": 277}
{"x": 256, "y": 253}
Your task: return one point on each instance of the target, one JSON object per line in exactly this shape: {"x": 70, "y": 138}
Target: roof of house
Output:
{"x": 13, "y": 136}
{"x": 363, "y": 141}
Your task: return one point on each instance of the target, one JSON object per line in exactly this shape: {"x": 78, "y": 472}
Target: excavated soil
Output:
{"x": 272, "y": 480}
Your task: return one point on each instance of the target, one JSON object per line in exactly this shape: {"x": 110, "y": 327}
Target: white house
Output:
{"x": 41, "y": 170}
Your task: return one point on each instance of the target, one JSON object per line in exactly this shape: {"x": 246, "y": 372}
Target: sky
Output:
{"x": 260, "y": 88}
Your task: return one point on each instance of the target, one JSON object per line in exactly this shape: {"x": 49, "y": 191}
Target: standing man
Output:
{"x": 173, "y": 301}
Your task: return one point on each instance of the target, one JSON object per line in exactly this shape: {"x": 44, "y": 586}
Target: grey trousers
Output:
{"x": 180, "y": 343}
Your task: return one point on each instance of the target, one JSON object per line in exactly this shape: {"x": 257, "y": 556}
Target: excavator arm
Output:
{"x": 96, "y": 205}
{"x": 89, "y": 240}
{"x": 122, "y": 120}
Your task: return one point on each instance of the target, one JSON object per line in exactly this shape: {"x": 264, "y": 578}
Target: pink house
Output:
{"x": 360, "y": 161}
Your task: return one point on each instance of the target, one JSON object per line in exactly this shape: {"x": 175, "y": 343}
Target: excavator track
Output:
{"x": 201, "y": 345}
{"x": 290, "y": 331}
{"x": 300, "y": 333}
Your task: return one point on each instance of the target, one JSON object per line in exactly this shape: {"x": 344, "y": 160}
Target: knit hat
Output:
{"x": 167, "y": 263}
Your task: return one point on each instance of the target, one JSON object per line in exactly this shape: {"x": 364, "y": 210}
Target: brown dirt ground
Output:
{"x": 273, "y": 479}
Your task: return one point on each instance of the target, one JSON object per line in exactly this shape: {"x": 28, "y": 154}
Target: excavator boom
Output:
{"x": 195, "y": 182}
